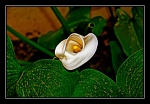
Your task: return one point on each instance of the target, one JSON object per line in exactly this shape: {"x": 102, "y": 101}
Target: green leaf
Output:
{"x": 78, "y": 13}
{"x": 94, "y": 25}
{"x": 84, "y": 28}
{"x": 51, "y": 39}
{"x": 99, "y": 24}
{"x": 13, "y": 69}
{"x": 47, "y": 78}
{"x": 117, "y": 55}
{"x": 138, "y": 24}
{"x": 93, "y": 83}
{"x": 75, "y": 16}
{"x": 130, "y": 75}
{"x": 125, "y": 33}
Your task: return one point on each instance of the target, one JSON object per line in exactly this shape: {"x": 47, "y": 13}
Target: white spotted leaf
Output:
{"x": 130, "y": 76}
{"x": 46, "y": 78}
{"x": 93, "y": 83}
{"x": 13, "y": 69}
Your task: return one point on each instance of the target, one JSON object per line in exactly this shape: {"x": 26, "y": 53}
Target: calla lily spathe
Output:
{"x": 76, "y": 50}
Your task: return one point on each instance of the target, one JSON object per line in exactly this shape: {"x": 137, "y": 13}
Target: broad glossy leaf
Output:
{"x": 130, "y": 75}
{"x": 93, "y": 83}
{"x": 78, "y": 13}
{"x": 47, "y": 78}
{"x": 125, "y": 33}
{"x": 13, "y": 69}
{"x": 117, "y": 55}
{"x": 138, "y": 19}
{"x": 99, "y": 24}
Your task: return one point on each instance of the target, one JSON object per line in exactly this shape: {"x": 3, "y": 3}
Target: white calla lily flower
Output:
{"x": 76, "y": 50}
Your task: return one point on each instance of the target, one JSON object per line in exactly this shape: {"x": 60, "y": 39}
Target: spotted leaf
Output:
{"x": 13, "y": 69}
{"x": 130, "y": 76}
{"x": 93, "y": 83}
{"x": 46, "y": 78}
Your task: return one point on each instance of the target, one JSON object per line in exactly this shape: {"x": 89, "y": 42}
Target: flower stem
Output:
{"x": 30, "y": 42}
{"x": 112, "y": 17}
{"x": 61, "y": 19}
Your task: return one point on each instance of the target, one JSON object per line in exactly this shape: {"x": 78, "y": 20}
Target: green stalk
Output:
{"x": 61, "y": 19}
{"x": 30, "y": 42}
{"x": 112, "y": 17}
{"x": 111, "y": 12}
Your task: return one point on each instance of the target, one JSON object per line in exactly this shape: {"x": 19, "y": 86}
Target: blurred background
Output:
{"x": 32, "y": 22}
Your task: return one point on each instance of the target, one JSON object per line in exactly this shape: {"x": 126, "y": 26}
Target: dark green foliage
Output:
{"x": 84, "y": 28}
{"x": 46, "y": 78}
{"x": 93, "y": 83}
{"x": 130, "y": 75}
{"x": 78, "y": 14}
{"x": 47, "y": 40}
{"x": 79, "y": 21}
{"x": 126, "y": 33}
{"x": 129, "y": 31}
{"x": 117, "y": 55}
{"x": 99, "y": 24}
{"x": 138, "y": 23}
{"x": 13, "y": 69}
